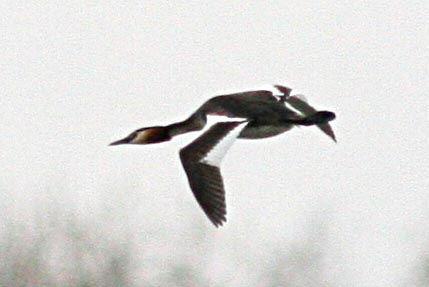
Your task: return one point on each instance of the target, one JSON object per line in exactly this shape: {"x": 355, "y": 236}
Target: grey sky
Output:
{"x": 78, "y": 75}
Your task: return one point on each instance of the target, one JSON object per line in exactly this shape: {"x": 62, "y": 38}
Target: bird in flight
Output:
{"x": 257, "y": 114}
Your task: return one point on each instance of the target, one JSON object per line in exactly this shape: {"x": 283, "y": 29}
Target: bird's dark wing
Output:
{"x": 284, "y": 90}
{"x": 201, "y": 160}
{"x": 307, "y": 110}
{"x": 259, "y": 95}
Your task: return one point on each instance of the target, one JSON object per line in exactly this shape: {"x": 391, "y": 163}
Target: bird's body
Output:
{"x": 257, "y": 114}
{"x": 265, "y": 114}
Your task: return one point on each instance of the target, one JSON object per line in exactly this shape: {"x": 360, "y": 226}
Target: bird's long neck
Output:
{"x": 195, "y": 122}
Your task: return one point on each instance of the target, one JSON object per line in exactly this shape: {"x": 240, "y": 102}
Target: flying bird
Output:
{"x": 257, "y": 114}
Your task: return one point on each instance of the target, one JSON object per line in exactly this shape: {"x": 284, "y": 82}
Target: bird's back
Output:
{"x": 255, "y": 105}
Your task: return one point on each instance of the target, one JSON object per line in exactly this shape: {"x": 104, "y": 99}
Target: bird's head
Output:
{"x": 149, "y": 135}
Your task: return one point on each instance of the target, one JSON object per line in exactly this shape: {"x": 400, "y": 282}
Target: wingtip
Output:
{"x": 220, "y": 223}
{"x": 284, "y": 90}
{"x": 217, "y": 220}
{"x": 330, "y": 134}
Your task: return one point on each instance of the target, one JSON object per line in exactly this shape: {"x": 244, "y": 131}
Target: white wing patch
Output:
{"x": 217, "y": 153}
{"x": 213, "y": 119}
{"x": 299, "y": 97}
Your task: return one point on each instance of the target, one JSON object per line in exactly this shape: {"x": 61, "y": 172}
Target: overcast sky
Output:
{"x": 77, "y": 75}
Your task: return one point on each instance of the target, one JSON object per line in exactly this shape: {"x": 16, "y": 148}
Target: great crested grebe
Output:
{"x": 261, "y": 115}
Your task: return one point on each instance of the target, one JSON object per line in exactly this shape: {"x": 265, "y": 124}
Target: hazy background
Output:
{"x": 77, "y": 75}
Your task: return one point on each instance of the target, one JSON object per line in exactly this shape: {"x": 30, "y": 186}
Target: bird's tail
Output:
{"x": 315, "y": 119}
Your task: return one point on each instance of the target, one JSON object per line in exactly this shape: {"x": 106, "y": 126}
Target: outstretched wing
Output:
{"x": 303, "y": 107}
{"x": 201, "y": 160}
